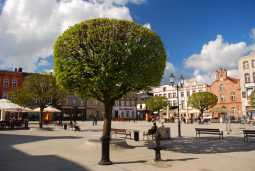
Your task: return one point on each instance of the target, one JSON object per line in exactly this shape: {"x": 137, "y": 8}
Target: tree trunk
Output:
{"x": 105, "y": 160}
{"x": 201, "y": 112}
{"x": 41, "y": 118}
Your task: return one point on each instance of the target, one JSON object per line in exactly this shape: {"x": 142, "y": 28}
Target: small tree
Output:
{"x": 106, "y": 59}
{"x": 252, "y": 98}
{"x": 20, "y": 96}
{"x": 156, "y": 103}
{"x": 202, "y": 101}
{"x": 40, "y": 90}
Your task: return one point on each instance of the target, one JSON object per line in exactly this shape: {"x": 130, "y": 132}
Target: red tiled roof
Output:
{"x": 233, "y": 79}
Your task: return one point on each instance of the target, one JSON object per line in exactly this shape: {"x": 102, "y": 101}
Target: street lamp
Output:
{"x": 178, "y": 85}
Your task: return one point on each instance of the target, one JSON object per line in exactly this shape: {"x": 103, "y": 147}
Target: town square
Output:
{"x": 127, "y": 85}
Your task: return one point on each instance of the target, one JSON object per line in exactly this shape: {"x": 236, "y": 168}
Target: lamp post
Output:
{"x": 178, "y": 85}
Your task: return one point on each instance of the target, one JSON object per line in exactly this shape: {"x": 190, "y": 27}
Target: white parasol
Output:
{"x": 7, "y": 105}
{"x": 47, "y": 109}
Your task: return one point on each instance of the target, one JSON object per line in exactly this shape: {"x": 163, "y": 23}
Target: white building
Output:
{"x": 170, "y": 92}
{"x": 246, "y": 71}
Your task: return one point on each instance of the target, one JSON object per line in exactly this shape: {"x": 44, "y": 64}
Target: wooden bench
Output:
{"x": 121, "y": 132}
{"x": 209, "y": 131}
{"x": 248, "y": 133}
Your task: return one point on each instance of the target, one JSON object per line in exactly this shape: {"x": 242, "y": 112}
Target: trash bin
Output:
{"x": 65, "y": 126}
{"x": 136, "y": 135}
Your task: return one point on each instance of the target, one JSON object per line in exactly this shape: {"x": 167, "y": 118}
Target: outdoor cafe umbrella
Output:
{"x": 47, "y": 109}
{"x": 6, "y": 105}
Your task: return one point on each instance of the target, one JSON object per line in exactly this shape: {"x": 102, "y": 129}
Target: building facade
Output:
{"x": 170, "y": 92}
{"x": 10, "y": 80}
{"x": 125, "y": 108}
{"x": 141, "y": 104}
{"x": 246, "y": 71}
{"x": 228, "y": 91}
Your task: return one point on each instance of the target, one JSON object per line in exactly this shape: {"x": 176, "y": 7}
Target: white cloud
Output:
{"x": 43, "y": 62}
{"x": 168, "y": 70}
{"x": 147, "y": 25}
{"x": 214, "y": 55}
{"x": 252, "y": 34}
{"x": 29, "y": 28}
{"x": 217, "y": 54}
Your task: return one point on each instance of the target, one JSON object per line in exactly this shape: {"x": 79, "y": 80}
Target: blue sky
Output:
{"x": 199, "y": 36}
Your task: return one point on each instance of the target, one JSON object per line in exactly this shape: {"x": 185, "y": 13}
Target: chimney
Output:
{"x": 15, "y": 70}
{"x": 20, "y": 70}
{"x": 217, "y": 75}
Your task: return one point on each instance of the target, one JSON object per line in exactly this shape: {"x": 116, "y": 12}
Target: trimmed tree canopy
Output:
{"x": 202, "y": 101}
{"x": 108, "y": 57}
{"x": 156, "y": 103}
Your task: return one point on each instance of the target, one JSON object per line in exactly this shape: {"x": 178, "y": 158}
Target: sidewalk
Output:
{"x": 61, "y": 149}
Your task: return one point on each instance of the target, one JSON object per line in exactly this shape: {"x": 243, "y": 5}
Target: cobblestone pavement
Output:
{"x": 54, "y": 148}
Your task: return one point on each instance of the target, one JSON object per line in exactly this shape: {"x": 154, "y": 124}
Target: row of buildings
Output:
{"x": 232, "y": 96}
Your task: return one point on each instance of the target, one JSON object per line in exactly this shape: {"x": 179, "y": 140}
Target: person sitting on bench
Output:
{"x": 76, "y": 126}
{"x": 153, "y": 129}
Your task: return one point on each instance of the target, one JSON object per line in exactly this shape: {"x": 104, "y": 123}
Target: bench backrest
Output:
{"x": 118, "y": 130}
{"x": 249, "y": 131}
{"x": 207, "y": 129}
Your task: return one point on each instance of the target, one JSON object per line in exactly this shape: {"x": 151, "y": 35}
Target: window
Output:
{"x": 233, "y": 96}
{"x": 247, "y": 77}
{"x": 81, "y": 103}
{"x": 164, "y": 94}
{"x": 127, "y": 114}
{"x": 14, "y": 83}
{"x": 188, "y": 93}
{"x": 182, "y": 94}
{"x": 122, "y": 103}
{"x": 174, "y": 95}
{"x": 6, "y": 83}
{"x": 182, "y": 104}
{"x": 117, "y": 103}
{"x": 222, "y": 97}
{"x": 128, "y": 103}
{"x": 194, "y": 91}
{"x": 169, "y": 95}
{"x": 245, "y": 65}
{"x": 170, "y": 103}
{"x": 5, "y": 94}
{"x": 132, "y": 103}
{"x": 243, "y": 94}
{"x": 164, "y": 88}
{"x": 253, "y": 63}
{"x": 234, "y": 111}
{"x": 141, "y": 106}
{"x": 254, "y": 77}
{"x": 160, "y": 95}
{"x": 221, "y": 87}
{"x": 174, "y": 103}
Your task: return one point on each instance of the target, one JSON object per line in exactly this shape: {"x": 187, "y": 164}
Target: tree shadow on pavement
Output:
{"x": 206, "y": 145}
{"x": 13, "y": 159}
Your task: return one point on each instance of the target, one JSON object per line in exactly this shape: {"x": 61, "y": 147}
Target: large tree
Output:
{"x": 156, "y": 103}
{"x": 202, "y": 101}
{"x": 106, "y": 59}
{"x": 40, "y": 90}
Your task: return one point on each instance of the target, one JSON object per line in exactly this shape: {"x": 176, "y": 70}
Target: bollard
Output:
{"x": 157, "y": 147}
